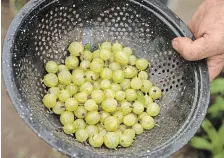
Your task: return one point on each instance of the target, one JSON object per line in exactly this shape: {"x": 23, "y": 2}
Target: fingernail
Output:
{"x": 175, "y": 44}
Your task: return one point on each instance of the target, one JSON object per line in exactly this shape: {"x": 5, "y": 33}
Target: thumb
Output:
{"x": 192, "y": 50}
{"x": 215, "y": 65}
{"x": 214, "y": 71}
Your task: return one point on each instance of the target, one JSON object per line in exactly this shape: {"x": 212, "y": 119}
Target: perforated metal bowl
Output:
{"x": 43, "y": 30}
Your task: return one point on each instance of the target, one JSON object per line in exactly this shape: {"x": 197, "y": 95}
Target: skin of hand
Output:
{"x": 207, "y": 25}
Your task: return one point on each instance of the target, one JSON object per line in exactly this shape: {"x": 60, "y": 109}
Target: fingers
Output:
{"x": 194, "y": 25}
{"x": 215, "y": 66}
{"x": 192, "y": 50}
{"x": 196, "y": 50}
{"x": 214, "y": 72}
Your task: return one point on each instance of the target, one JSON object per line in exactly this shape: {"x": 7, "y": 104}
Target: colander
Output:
{"x": 42, "y": 31}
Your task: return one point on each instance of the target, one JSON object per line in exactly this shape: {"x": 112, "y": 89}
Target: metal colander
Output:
{"x": 43, "y": 30}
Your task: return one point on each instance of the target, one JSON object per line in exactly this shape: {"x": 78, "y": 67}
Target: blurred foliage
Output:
{"x": 16, "y": 5}
{"x": 216, "y": 110}
{"x": 211, "y": 139}
{"x": 217, "y": 86}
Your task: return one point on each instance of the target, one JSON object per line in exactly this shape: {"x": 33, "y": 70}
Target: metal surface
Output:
{"x": 42, "y": 31}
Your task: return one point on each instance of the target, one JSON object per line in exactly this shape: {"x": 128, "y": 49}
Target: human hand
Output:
{"x": 207, "y": 25}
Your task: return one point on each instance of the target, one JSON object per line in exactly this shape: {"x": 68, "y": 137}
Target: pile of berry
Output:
{"x": 104, "y": 97}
